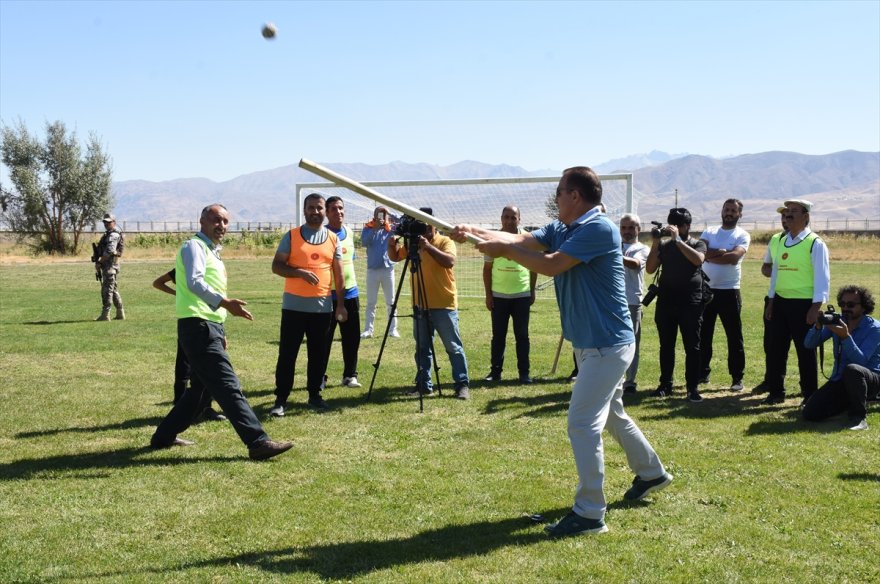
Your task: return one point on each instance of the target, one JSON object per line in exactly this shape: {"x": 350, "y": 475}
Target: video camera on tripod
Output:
{"x": 410, "y": 227}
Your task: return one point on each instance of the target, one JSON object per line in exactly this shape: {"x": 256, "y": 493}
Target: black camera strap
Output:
{"x": 837, "y": 353}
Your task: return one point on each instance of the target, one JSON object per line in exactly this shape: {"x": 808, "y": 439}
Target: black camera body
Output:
{"x": 651, "y": 294}
{"x": 659, "y": 230}
{"x": 830, "y": 316}
{"x": 410, "y": 227}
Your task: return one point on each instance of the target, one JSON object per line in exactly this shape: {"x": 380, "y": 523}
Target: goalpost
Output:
{"x": 474, "y": 201}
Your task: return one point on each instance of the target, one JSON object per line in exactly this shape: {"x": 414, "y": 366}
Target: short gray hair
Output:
{"x": 632, "y": 217}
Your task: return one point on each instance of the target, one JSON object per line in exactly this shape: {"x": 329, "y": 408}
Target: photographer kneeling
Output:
{"x": 856, "y": 374}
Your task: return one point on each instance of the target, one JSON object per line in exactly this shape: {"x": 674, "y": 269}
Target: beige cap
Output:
{"x": 803, "y": 203}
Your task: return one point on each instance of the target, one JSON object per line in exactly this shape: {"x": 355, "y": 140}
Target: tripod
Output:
{"x": 420, "y": 310}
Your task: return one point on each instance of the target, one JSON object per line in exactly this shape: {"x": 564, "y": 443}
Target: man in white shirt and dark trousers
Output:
{"x": 726, "y": 245}
{"x": 635, "y": 254}
{"x": 799, "y": 285}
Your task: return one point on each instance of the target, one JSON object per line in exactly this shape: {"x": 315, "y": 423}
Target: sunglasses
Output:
{"x": 849, "y": 304}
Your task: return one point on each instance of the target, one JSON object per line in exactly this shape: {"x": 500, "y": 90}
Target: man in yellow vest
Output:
{"x": 799, "y": 284}
{"x": 350, "y": 329}
{"x": 202, "y": 306}
{"x": 309, "y": 258}
{"x": 510, "y": 293}
{"x": 767, "y": 271}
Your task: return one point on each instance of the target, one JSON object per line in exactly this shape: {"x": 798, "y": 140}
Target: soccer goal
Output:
{"x": 475, "y": 201}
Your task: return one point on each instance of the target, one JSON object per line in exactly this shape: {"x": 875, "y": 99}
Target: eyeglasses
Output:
{"x": 849, "y": 304}
{"x": 560, "y": 191}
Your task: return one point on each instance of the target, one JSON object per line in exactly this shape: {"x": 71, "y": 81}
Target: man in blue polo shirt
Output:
{"x": 581, "y": 250}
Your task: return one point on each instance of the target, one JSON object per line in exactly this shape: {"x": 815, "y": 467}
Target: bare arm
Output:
{"x": 653, "y": 261}
{"x": 551, "y": 264}
{"x": 693, "y": 256}
{"x": 487, "y": 284}
{"x": 396, "y": 252}
{"x": 161, "y": 284}
{"x": 533, "y": 279}
{"x": 281, "y": 268}
{"x": 723, "y": 256}
{"x": 632, "y": 263}
{"x": 339, "y": 281}
{"x": 445, "y": 260}
{"x": 526, "y": 240}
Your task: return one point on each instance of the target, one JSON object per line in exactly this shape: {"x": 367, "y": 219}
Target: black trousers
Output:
{"x": 350, "y": 331}
{"x": 202, "y": 343}
{"x": 671, "y": 318}
{"x": 315, "y": 326}
{"x": 183, "y": 376}
{"x": 767, "y": 344}
{"x": 726, "y": 304}
{"x": 789, "y": 325}
{"x": 849, "y": 394}
{"x": 503, "y": 311}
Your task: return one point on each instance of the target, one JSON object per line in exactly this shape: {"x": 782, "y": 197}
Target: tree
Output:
{"x": 56, "y": 189}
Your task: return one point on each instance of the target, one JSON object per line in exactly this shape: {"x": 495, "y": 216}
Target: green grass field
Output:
{"x": 374, "y": 491}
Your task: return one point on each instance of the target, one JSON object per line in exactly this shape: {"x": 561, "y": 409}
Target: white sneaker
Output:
{"x": 277, "y": 412}
{"x": 367, "y": 335}
{"x": 863, "y": 425}
{"x": 351, "y": 382}
{"x": 394, "y": 334}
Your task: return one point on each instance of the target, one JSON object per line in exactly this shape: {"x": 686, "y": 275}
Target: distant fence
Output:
{"x": 251, "y": 226}
{"x": 263, "y": 226}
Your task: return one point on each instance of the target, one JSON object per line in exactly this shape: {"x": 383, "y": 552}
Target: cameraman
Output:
{"x": 856, "y": 374}
{"x": 437, "y": 256}
{"x": 680, "y": 301}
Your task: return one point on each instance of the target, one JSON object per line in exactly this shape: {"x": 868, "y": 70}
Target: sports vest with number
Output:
{"x": 794, "y": 268}
{"x": 317, "y": 259}
{"x": 188, "y": 305}
{"x": 509, "y": 278}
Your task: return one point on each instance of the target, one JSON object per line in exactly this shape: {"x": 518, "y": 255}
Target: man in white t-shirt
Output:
{"x": 635, "y": 254}
{"x": 726, "y": 245}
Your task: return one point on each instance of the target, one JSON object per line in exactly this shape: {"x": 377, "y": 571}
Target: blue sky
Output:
{"x": 191, "y": 89}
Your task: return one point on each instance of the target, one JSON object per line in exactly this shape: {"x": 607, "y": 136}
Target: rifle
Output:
{"x": 96, "y": 255}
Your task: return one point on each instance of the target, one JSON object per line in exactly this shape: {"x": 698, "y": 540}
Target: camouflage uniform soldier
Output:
{"x": 107, "y": 261}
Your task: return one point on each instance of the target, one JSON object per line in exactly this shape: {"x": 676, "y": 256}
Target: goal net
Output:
{"x": 474, "y": 201}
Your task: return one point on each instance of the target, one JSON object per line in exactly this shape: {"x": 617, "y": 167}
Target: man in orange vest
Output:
{"x": 309, "y": 258}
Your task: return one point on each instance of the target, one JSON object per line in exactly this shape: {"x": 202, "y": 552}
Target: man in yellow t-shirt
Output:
{"x": 436, "y": 309}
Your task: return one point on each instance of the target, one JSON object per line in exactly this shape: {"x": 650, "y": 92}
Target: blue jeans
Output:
{"x": 445, "y": 322}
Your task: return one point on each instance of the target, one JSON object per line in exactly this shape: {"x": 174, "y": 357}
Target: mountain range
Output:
{"x": 842, "y": 185}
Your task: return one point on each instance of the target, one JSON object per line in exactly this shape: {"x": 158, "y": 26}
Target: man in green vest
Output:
{"x": 202, "y": 306}
{"x": 510, "y": 293}
{"x": 767, "y": 271}
{"x": 350, "y": 330}
{"x": 799, "y": 284}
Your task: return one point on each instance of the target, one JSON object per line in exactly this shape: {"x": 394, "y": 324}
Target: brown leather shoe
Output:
{"x": 175, "y": 442}
{"x": 268, "y": 449}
